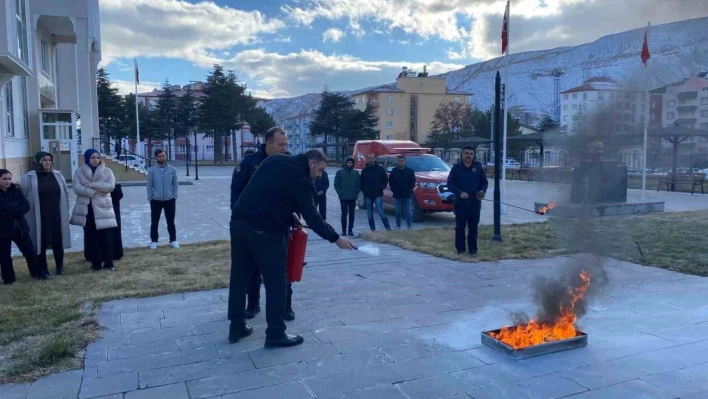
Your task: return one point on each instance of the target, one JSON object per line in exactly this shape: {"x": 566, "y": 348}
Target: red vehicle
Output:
{"x": 430, "y": 194}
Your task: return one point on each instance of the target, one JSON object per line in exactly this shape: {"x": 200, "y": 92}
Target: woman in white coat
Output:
{"x": 93, "y": 184}
{"x": 48, "y": 217}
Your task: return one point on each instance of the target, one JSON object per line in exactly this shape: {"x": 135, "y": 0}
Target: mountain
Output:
{"x": 678, "y": 50}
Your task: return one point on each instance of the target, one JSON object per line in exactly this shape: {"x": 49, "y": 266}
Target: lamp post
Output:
{"x": 497, "y": 159}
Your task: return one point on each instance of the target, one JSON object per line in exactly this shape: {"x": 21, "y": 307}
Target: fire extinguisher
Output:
{"x": 297, "y": 244}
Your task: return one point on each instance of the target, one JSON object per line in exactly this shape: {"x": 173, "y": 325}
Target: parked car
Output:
{"x": 430, "y": 194}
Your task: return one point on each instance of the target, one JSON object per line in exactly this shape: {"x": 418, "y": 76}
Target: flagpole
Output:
{"x": 505, "y": 108}
{"x": 646, "y": 122}
{"x": 137, "y": 112}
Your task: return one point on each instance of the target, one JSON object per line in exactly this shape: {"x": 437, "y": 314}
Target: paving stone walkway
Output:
{"x": 400, "y": 325}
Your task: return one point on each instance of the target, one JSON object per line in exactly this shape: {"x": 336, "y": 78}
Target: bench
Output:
{"x": 682, "y": 178}
{"x": 521, "y": 172}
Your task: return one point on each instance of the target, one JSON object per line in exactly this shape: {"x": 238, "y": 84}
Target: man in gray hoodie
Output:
{"x": 347, "y": 185}
{"x": 162, "y": 194}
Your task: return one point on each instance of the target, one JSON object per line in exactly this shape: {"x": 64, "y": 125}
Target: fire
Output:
{"x": 546, "y": 208}
{"x": 536, "y": 332}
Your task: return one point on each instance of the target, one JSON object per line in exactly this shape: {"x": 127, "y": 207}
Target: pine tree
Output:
{"x": 167, "y": 113}
{"x": 187, "y": 117}
{"x": 259, "y": 120}
{"x": 360, "y": 125}
{"x": 111, "y": 117}
{"x": 330, "y": 118}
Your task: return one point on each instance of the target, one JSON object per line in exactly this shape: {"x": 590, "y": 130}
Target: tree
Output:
{"x": 360, "y": 125}
{"x": 547, "y": 124}
{"x": 111, "y": 116}
{"x": 186, "y": 120}
{"x": 331, "y": 116}
{"x": 223, "y": 109}
{"x": 447, "y": 125}
{"x": 167, "y": 113}
{"x": 481, "y": 123}
{"x": 259, "y": 121}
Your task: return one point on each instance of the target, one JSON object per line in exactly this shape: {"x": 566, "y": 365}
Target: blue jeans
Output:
{"x": 404, "y": 205}
{"x": 378, "y": 202}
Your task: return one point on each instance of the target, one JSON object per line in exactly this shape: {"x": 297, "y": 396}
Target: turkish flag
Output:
{"x": 645, "y": 48}
{"x": 505, "y": 29}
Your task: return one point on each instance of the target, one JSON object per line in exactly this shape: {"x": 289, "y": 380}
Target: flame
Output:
{"x": 546, "y": 208}
{"x": 536, "y": 332}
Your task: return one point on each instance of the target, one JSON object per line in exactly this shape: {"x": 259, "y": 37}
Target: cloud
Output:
{"x": 285, "y": 39}
{"x": 473, "y": 27}
{"x": 307, "y": 71}
{"x": 333, "y": 35}
{"x": 128, "y": 87}
{"x": 192, "y": 31}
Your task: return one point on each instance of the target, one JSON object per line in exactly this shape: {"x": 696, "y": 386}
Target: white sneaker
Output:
{"x": 153, "y": 245}
{"x": 174, "y": 244}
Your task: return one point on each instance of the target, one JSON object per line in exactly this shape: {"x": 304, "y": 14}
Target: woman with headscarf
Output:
{"x": 93, "y": 184}
{"x": 48, "y": 217}
{"x": 14, "y": 228}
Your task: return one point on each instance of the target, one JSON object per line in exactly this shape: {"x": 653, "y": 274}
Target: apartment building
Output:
{"x": 49, "y": 54}
{"x": 406, "y": 109}
{"x": 684, "y": 104}
{"x": 298, "y": 131}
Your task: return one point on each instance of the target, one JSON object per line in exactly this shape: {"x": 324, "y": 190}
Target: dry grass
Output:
{"x": 674, "y": 241}
{"x": 45, "y": 325}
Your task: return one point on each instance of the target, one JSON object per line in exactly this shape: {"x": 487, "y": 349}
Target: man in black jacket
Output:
{"x": 276, "y": 142}
{"x": 373, "y": 181}
{"x": 468, "y": 182}
{"x": 321, "y": 187}
{"x": 260, "y": 223}
{"x": 402, "y": 183}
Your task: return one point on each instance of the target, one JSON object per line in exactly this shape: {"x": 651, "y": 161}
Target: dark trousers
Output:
{"x": 321, "y": 204}
{"x": 58, "y": 250}
{"x": 156, "y": 208}
{"x": 100, "y": 243}
{"x": 253, "y": 247}
{"x": 253, "y": 288}
{"x": 467, "y": 218}
{"x": 348, "y": 207}
{"x": 24, "y": 244}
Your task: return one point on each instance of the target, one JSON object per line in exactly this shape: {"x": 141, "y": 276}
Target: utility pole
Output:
{"x": 497, "y": 158}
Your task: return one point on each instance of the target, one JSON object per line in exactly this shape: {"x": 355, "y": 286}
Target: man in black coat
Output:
{"x": 468, "y": 182}
{"x": 321, "y": 187}
{"x": 260, "y": 223}
{"x": 276, "y": 142}
{"x": 374, "y": 180}
{"x": 402, "y": 183}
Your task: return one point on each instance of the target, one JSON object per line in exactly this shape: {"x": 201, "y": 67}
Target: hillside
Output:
{"x": 678, "y": 50}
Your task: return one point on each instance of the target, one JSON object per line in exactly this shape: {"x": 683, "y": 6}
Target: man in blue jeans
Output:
{"x": 373, "y": 181}
{"x": 402, "y": 183}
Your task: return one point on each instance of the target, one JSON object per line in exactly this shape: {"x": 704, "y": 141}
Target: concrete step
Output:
{"x": 121, "y": 173}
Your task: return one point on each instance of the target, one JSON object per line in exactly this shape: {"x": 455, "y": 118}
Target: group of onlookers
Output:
{"x": 371, "y": 183}
{"x": 35, "y": 215}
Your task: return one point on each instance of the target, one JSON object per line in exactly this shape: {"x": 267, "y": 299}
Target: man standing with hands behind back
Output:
{"x": 468, "y": 182}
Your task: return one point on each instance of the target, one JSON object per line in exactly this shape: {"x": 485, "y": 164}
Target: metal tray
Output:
{"x": 537, "y": 350}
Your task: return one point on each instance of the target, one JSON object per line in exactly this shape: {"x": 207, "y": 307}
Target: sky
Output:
{"x": 293, "y": 47}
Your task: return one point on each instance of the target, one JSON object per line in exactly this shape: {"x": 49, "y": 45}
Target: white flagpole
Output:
{"x": 137, "y": 112}
{"x": 505, "y": 108}
{"x": 646, "y": 123}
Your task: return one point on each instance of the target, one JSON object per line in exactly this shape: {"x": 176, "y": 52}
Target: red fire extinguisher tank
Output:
{"x": 297, "y": 244}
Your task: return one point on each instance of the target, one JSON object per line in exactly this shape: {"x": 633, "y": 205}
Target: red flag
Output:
{"x": 645, "y": 47}
{"x": 137, "y": 72}
{"x": 505, "y": 29}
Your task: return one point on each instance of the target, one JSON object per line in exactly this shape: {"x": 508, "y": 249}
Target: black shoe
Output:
{"x": 251, "y": 311}
{"x": 344, "y": 232}
{"x": 473, "y": 253}
{"x": 351, "y": 233}
{"x": 60, "y": 271}
{"x": 109, "y": 267}
{"x": 285, "y": 341}
{"x": 96, "y": 268}
{"x": 289, "y": 315}
{"x": 237, "y": 332}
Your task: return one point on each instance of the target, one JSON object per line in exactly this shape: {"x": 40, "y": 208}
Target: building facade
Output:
{"x": 49, "y": 55}
{"x": 406, "y": 109}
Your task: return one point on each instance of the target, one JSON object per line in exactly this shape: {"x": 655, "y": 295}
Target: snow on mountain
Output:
{"x": 678, "y": 50}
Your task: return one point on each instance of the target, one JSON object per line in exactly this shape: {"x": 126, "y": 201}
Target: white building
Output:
{"x": 49, "y": 54}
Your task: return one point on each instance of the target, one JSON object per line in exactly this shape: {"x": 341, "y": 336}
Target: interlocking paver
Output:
{"x": 57, "y": 386}
{"x": 195, "y": 371}
{"x": 14, "y": 391}
{"x": 147, "y": 348}
{"x": 174, "y": 391}
{"x": 309, "y": 350}
{"x": 108, "y": 385}
{"x": 293, "y": 390}
{"x": 349, "y": 361}
{"x": 546, "y": 387}
{"x": 439, "y": 386}
{"x": 341, "y": 383}
{"x": 439, "y": 364}
{"x": 160, "y": 360}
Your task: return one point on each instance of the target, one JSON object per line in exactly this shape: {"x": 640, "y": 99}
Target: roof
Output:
{"x": 598, "y": 84}
{"x": 391, "y": 88}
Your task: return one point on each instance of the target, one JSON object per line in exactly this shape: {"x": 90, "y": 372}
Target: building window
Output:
{"x": 601, "y": 96}
{"x": 575, "y": 95}
{"x": 704, "y": 100}
{"x": 457, "y": 99}
{"x": 565, "y": 96}
{"x": 704, "y": 126}
{"x": 389, "y": 111}
{"x": 389, "y": 98}
{"x": 468, "y": 99}
{"x": 22, "y": 36}
{"x": 389, "y": 125}
{"x": 613, "y": 95}
{"x": 389, "y": 137}
{"x": 671, "y": 103}
{"x": 46, "y": 49}
{"x": 670, "y": 115}
{"x": 565, "y": 118}
{"x": 9, "y": 110}
{"x": 585, "y": 96}
{"x": 704, "y": 114}
{"x": 24, "y": 107}
{"x": 565, "y": 107}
